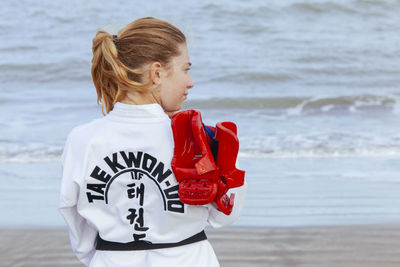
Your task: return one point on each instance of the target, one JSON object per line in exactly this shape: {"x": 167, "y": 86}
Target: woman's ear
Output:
{"x": 155, "y": 72}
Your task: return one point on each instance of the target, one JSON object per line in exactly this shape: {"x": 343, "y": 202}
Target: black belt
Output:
{"x": 145, "y": 245}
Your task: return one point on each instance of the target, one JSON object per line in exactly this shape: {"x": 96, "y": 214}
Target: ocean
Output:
{"x": 313, "y": 87}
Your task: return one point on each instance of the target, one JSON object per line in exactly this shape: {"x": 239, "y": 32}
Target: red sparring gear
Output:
{"x": 202, "y": 178}
{"x": 193, "y": 163}
{"x": 229, "y": 176}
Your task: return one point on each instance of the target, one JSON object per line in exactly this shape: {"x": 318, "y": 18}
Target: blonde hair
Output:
{"x": 120, "y": 63}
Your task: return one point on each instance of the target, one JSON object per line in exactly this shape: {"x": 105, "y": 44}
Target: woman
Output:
{"x": 119, "y": 196}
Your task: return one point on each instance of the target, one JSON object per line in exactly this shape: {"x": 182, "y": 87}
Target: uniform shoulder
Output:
{"x": 82, "y": 132}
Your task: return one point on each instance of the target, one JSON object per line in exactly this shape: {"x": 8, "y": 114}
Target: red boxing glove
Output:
{"x": 202, "y": 176}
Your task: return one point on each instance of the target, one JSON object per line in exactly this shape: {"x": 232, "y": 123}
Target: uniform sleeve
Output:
{"x": 218, "y": 219}
{"x": 82, "y": 235}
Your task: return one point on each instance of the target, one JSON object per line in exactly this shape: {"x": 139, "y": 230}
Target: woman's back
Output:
{"x": 126, "y": 189}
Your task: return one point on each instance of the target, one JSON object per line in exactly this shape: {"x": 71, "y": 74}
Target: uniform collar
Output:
{"x": 128, "y": 112}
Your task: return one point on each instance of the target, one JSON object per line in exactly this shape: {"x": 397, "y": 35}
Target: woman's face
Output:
{"x": 175, "y": 83}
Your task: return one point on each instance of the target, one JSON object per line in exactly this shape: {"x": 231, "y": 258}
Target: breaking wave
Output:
{"x": 332, "y": 144}
{"x": 300, "y": 105}
{"x": 15, "y": 152}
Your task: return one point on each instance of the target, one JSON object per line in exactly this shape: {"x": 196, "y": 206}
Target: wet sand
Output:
{"x": 349, "y": 246}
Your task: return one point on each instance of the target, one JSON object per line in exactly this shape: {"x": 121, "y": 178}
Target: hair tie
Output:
{"x": 115, "y": 39}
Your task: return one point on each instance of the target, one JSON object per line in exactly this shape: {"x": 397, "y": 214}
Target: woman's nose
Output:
{"x": 190, "y": 84}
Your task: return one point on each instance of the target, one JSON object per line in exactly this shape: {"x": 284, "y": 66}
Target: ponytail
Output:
{"x": 118, "y": 63}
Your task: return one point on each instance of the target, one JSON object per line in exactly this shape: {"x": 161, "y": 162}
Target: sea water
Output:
{"x": 313, "y": 87}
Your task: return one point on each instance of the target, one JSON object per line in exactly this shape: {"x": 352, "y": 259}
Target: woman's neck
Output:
{"x": 136, "y": 98}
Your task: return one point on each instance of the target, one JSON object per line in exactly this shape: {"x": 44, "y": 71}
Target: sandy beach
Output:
{"x": 345, "y": 246}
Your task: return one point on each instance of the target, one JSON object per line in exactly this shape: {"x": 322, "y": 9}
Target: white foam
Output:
{"x": 321, "y": 145}
{"x": 14, "y": 152}
{"x": 396, "y": 105}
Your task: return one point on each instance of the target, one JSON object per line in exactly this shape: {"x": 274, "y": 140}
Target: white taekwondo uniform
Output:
{"x": 118, "y": 183}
